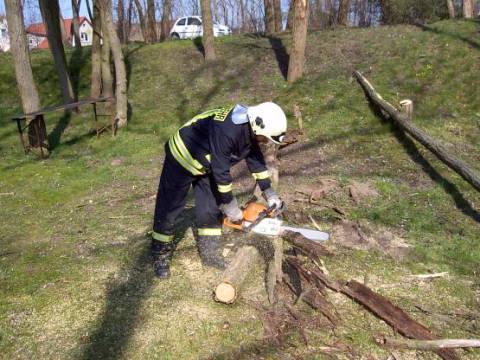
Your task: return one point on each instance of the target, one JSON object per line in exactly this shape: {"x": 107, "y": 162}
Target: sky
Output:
{"x": 65, "y": 6}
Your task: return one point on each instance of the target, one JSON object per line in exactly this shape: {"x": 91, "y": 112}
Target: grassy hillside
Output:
{"x": 75, "y": 279}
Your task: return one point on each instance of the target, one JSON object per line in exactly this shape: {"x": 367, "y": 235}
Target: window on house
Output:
{"x": 84, "y": 36}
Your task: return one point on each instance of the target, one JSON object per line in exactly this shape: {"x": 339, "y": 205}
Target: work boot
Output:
{"x": 210, "y": 250}
{"x": 162, "y": 253}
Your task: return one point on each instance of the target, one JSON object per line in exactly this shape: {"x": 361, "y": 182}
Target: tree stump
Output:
{"x": 407, "y": 108}
{"x": 274, "y": 269}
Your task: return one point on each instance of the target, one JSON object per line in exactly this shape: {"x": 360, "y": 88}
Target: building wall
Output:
{"x": 86, "y": 34}
{"x": 4, "y": 38}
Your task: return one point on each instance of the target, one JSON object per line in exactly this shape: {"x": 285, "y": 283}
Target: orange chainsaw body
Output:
{"x": 250, "y": 214}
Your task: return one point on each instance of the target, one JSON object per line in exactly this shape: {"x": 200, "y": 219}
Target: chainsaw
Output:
{"x": 262, "y": 220}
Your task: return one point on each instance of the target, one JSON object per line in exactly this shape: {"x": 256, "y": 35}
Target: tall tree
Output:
{"x": 51, "y": 16}
{"x": 119, "y": 62}
{"x": 468, "y": 9}
{"x": 23, "y": 70}
{"x": 269, "y": 16}
{"x": 451, "y": 9}
{"x": 165, "y": 22}
{"x": 141, "y": 19}
{"x": 277, "y": 15}
{"x": 297, "y": 53}
{"x": 290, "y": 17}
{"x": 151, "y": 22}
{"x": 76, "y": 23}
{"x": 207, "y": 30}
{"x": 107, "y": 77}
{"x": 96, "y": 75}
{"x": 121, "y": 21}
{"x": 343, "y": 8}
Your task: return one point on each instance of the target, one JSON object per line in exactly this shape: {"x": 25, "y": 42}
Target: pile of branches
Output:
{"x": 305, "y": 276}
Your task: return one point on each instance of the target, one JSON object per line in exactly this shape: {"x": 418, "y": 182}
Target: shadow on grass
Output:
{"x": 469, "y": 41}
{"x": 280, "y": 54}
{"x": 199, "y": 45}
{"x": 78, "y": 60}
{"x": 412, "y": 151}
{"x": 124, "y": 298}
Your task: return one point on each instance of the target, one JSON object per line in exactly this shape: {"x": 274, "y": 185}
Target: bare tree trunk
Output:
{"x": 107, "y": 77}
{"x": 207, "y": 30}
{"x": 269, "y": 16}
{"x": 451, "y": 9}
{"x": 120, "y": 69}
{"x": 278, "y": 15}
{"x": 291, "y": 13}
{"x": 76, "y": 23}
{"x": 23, "y": 69}
{"x": 121, "y": 21}
{"x": 141, "y": 19}
{"x": 343, "y": 9}
{"x": 129, "y": 20}
{"x": 242, "y": 16}
{"x": 96, "y": 76}
{"x": 297, "y": 54}
{"x": 51, "y": 15}
{"x": 166, "y": 14}
{"x": 332, "y": 19}
{"x": 362, "y": 18}
{"x": 468, "y": 9}
{"x": 151, "y": 22}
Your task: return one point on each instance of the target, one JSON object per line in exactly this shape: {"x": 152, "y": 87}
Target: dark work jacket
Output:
{"x": 217, "y": 144}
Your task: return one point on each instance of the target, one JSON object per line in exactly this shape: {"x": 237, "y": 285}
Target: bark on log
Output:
{"x": 312, "y": 297}
{"x": 453, "y": 162}
{"x": 392, "y": 315}
{"x": 309, "y": 247}
{"x": 430, "y": 344}
{"x": 274, "y": 269}
{"x": 232, "y": 278}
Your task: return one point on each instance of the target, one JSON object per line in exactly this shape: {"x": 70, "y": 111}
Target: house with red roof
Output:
{"x": 37, "y": 33}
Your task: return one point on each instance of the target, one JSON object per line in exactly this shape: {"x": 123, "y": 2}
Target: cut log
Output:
{"x": 308, "y": 247}
{"x": 392, "y": 315}
{"x": 430, "y": 344}
{"x": 232, "y": 278}
{"x": 401, "y": 120}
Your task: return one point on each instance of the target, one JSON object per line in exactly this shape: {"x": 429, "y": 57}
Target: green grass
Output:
{"x": 74, "y": 273}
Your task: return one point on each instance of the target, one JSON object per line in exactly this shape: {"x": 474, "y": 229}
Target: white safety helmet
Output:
{"x": 269, "y": 120}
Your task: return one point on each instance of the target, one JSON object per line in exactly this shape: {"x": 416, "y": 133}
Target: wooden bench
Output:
{"x": 23, "y": 120}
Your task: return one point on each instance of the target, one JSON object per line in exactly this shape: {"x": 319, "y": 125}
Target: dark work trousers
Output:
{"x": 174, "y": 185}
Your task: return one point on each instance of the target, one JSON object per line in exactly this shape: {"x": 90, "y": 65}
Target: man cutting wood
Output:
{"x": 200, "y": 154}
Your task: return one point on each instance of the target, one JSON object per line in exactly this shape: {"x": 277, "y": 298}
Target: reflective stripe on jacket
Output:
{"x": 211, "y": 143}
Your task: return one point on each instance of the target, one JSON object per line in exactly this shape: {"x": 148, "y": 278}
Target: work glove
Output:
{"x": 272, "y": 199}
{"x": 232, "y": 211}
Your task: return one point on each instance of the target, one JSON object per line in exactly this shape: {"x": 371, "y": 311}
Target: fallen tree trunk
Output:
{"x": 392, "y": 315}
{"x": 232, "y": 278}
{"x": 308, "y": 247}
{"x": 401, "y": 120}
{"x": 430, "y": 344}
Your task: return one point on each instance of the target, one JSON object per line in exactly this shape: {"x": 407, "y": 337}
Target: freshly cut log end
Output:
{"x": 225, "y": 293}
{"x": 232, "y": 278}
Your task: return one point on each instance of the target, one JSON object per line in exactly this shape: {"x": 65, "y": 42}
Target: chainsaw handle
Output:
{"x": 232, "y": 225}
